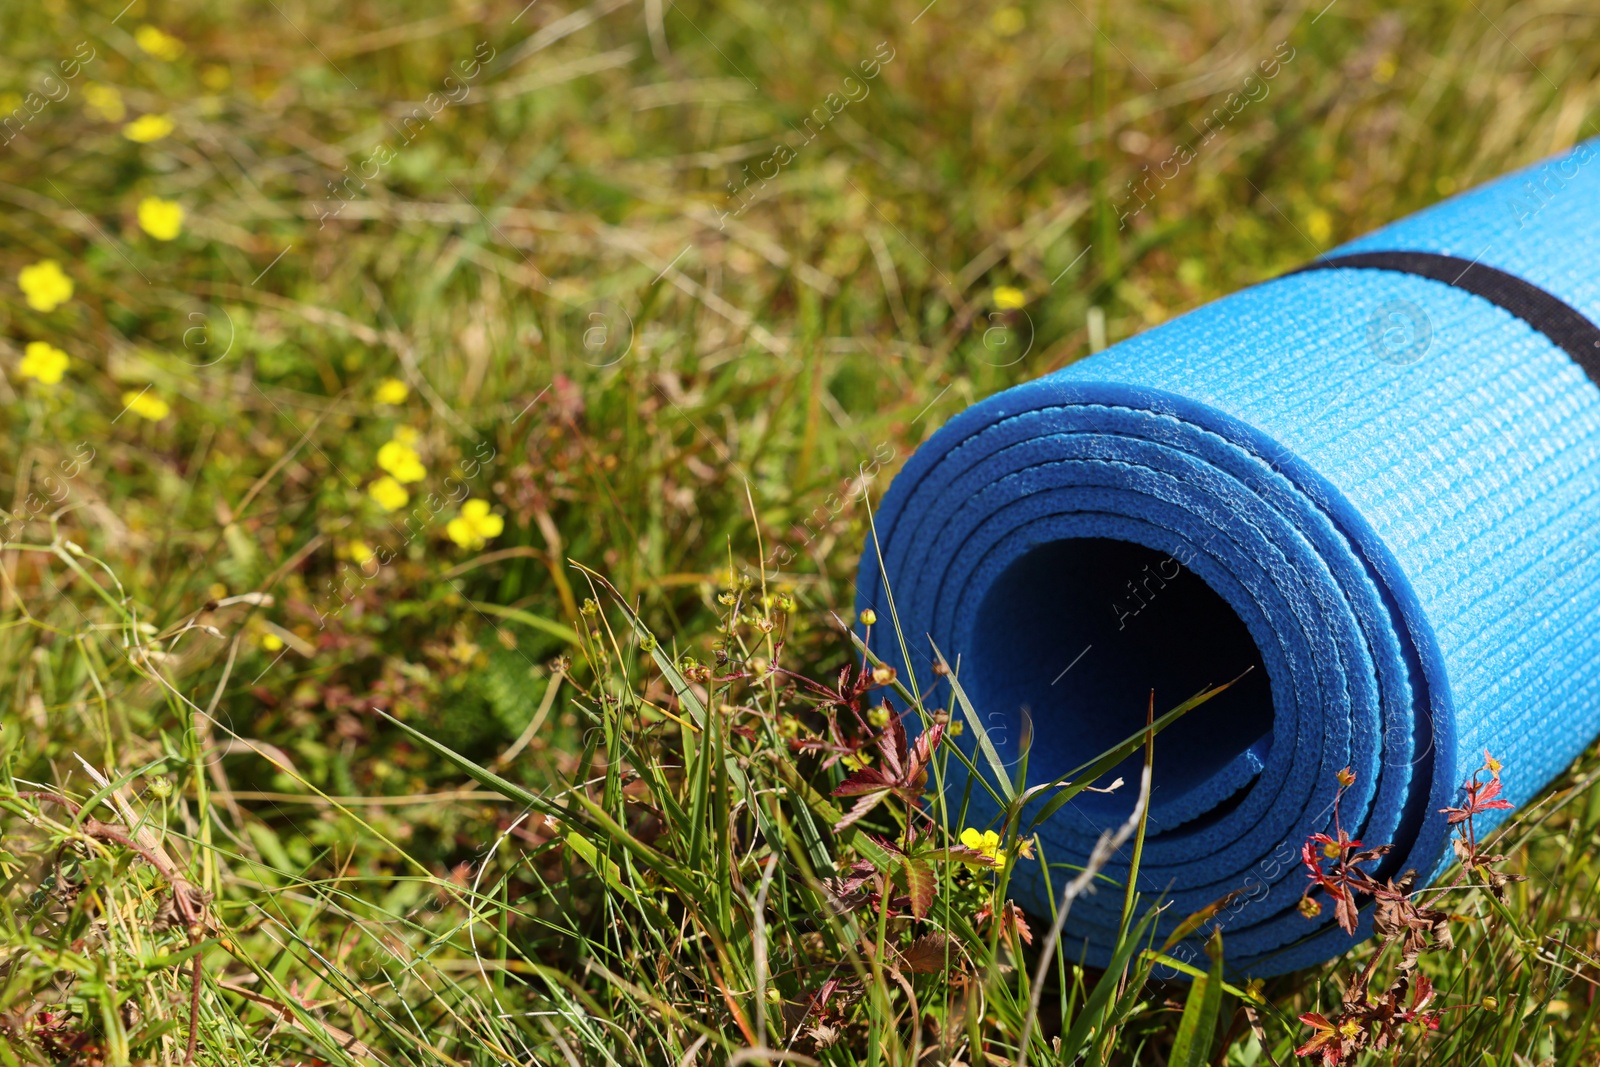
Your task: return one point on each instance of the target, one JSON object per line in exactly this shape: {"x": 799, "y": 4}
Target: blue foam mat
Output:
{"x": 1378, "y": 491}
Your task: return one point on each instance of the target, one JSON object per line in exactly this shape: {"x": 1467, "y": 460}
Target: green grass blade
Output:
{"x": 1075, "y": 781}
{"x": 975, "y": 724}
{"x": 478, "y": 773}
{"x": 1197, "y": 1029}
{"x": 1104, "y": 990}
{"x": 554, "y": 629}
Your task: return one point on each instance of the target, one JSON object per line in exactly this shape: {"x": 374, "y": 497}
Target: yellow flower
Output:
{"x": 216, "y": 77}
{"x": 45, "y": 363}
{"x": 45, "y": 286}
{"x": 856, "y": 760}
{"x": 475, "y": 525}
{"x": 105, "y": 101}
{"x": 147, "y": 128}
{"x": 1319, "y": 224}
{"x": 1009, "y": 297}
{"x": 146, "y": 405}
{"x": 271, "y": 642}
{"x": 1008, "y": 21}
{"x": 359, "y": 552}
{"x": 390, "y": 494}
{"x": 402, "y": 461}
{"x": 879, "y": 716}
{"x": 868, "y": 616}
{"x": 985, "y": 842}
{"x": 391, "y": 391}
{"x": 158, "y": 43}
{"x": 161, "y": 219}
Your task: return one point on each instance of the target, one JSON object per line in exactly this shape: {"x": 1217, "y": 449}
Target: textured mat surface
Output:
{"x": 1379, "y": 490}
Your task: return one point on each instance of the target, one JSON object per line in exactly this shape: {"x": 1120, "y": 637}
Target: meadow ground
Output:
{"x": 373, "y": 326}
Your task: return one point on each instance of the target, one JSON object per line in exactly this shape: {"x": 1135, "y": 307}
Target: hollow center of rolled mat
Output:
{"x": 1069, "y": 641}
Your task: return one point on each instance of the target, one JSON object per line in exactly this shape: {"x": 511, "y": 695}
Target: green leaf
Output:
{"x": 1197, "y": 1030}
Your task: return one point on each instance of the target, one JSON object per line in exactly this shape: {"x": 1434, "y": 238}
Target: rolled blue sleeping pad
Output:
{"x": 1373, "y": 483}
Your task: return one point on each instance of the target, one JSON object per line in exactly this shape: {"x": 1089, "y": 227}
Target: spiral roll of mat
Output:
{"x": 1375, "y": 482}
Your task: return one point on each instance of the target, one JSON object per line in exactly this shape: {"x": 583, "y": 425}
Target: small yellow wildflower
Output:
{"x": 146, "y": 405}
{"x": 1491, "y": 764}
{"x": 879, "y": 716}
{"x": 1346, "y": 778}
{"x": 105, "y": 101}
{"x": 476, "y": 524}
{"x": 44, "y": 363}
{"x": 359, "y": 552}
{"x": 1008, "y": 297}
{"x": 402, "y": 461}
{"x": 391, "y": 391}
{"x": 1319, "y": 224}
{"x": 1008, "y": 21}
{"x": 271, "y": 642}
{"x": 147, "y": 128}
{"x": 158, "y": 43}
{"x": 45, "y": 286}
{"x": 868, "y": 617}
{"x": 985, "y": 842}
{"x": 216, "y": 77}
{"x": 856, "y": 760}
{"x": 390, "y": 494}
{"x": 161, "y": 219}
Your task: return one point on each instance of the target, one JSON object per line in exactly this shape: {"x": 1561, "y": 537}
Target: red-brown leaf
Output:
{"x": 866, "y": 780}
{"x": 921, "y": 884}
{"x": 862, "y": 806}
{"x": 929, "y": 954}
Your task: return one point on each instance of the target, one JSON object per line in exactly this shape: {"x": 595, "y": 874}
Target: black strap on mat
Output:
{"x": 1565, "y": 325}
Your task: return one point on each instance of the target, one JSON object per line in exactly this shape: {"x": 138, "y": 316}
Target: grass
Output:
{"x": 232, "y": 673}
